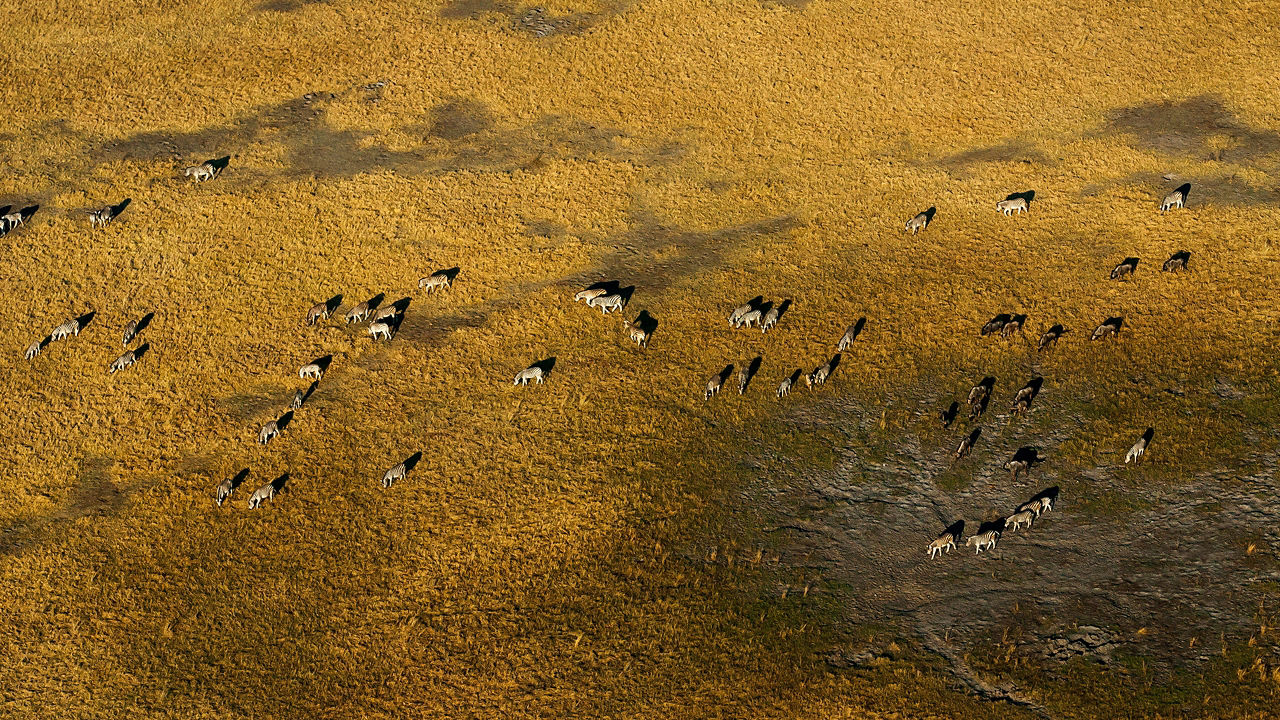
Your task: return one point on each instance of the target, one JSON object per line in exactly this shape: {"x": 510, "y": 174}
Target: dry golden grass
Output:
{"x": 541, "y": 561}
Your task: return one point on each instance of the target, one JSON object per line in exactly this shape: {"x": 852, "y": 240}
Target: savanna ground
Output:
{"x": 607, "y": 544}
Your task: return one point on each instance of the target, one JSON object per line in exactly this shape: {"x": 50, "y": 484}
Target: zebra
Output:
{"x": 966, "y": 447}
{"x": 1050, "y": 336}
{"x": 637, "y": 334}
{"x": 1014, "y": 325}
{"x": 1177, "y": 261}
{"x": 784, "y": 389}
{"x": 739, "y": 311}
{"x": 533, "y": 372}
{"x": 439, "y": 280}
{"x": 1012, "y": 205}
{"x": 122, "y": 362}
{"x": 1018, "y": 519}
{"x": 203, "y": 171}
{"x": 66, "y": 329}
{"x": 713, "y": 386}
{"x": 979, "y": 393}
{"x": 388, "y": 312}
{"x": 1127, "y": 267}
{"x": 1109, "y": 328}
{"x": 224, "y": 490}
{"x": 268, "y": 431}
{"x": 381, "y": 330}
{"x": 359, "y": 313}
{"x": 607, "y": 303}
{"x": 130, "y": 332}
{"x": 819, "y": 375}
{"x": 1139, "y": 449}
{"x": 298, "y": 397}
{"x": 946, "y": 542}
{"x": 589, "y": 294}
{"x": 12, "y": 220}
{"x": 984, "y": 541}
{"x": 311, "y": 370}
{"x": 263, "y": 494}
{"x": 770, "y": 319}
{"x": 917, "y": 223}
{"x": 396, "y": 473}
{"x": 1175, "y": 199}
{"x": 102, "y": 216}
{"x": 319, "y": 311}
{"x": 33, "y": 350}
{"x": 749, "y": 318}
{"x": 847, "y": 339}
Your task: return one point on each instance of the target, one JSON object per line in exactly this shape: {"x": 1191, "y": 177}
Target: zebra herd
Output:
{"x": 608, "y": 297}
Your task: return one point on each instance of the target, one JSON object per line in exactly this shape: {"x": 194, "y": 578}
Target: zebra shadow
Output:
{"x": 27, "y": 212}
{"x": 376, "y": 301}
{"x": 956, "y": 529}
{"x": 331, "y": 305}
{"x": 726, "y": 373}
{"x": 1182, "y": 256}
{"x": 1027, "y": 195}
{"x": 311, "y": 389}
{"x": 402, "y": 305}
{"x": 645, "y": 322}
{"x": 143, "y": 322}
{"x": 451, "y": 273}
{"x": 279, "y": 483}
{"x": 749, "y": 373}
{"x": 948, "y": 416}
{"x": 284, "y": 421}
{"x": 989, "y": 525}
{"x": 1185, "y": 189}
{"x": 219, "y": 164}
{"x": 1150, "y": 433}
{"x": 546, "y": 366}
{"x": 412, "y": 461}
{"x": 86, "y": 318}
{"x": 795, "y": 376}
{"x": 834, "y": 363}
{"x": 608, "y": 286}
{"x": 1051, "y": 493}
{"x": 973, "y": 437}
{"x": 323, "y": 363}
{"x": 756, "y": 303}
{"x": 239, "y": 478}
{"x": 856, "y": 329}
{"x": 928, "y": 217}
{"x": 1116, "y": 322}
{"x": 1035, "y": 384}
{"x": 626, "y": 294}
{"x": 142, "y": 350}
{"x": 119, "y": 207}
{"x": 783, "y": 308}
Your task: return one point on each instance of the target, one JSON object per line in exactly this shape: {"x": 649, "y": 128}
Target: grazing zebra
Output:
{"x": 744, "y": 378}
{"x": 533, "y": 372}
{"x": 1014, "y": 325}
{"x": 381, "y": 330}
{"x": 946, "y": 542}
{"x": 224, "y": 490}
{"x": 122, "y": 362}
{"x": 66, "y": 329}
{"x": 1109, "y": 328}
{"x": 819, "y": 375}
{"x": 203, "y": 171}
{"x": 1021, "y": 406}
{"x": 396, "y": 473}
{"x": 966, "y": 447}
{"x": 102, "y": 216}
{"x": 359, "y": 313}
{"x": 33, "y": 350}
{"x": 713, "y": 386}
{"x": 589, "y": 294}
{"x": 319, "y": 311}
{"x": 983, "y": 541}
{"x": 1139, "y": 449}
{"x": 637, "y": 334}
{"x": 268, "y": 431}
{"x": 1175, "y": 199}
{"x": 311, "y": 370}
{"x": 739, "y": 311}
{"x": 917, "y": 223}
{"x": 1177, "y": 261}
{"x": 1012, "y": 205}
{"x": 1050, "y": 336}
{"x": 749, "y": 318}
{"x": 1018, "y": 465}
{"x": 770, "y": 319}
{"x": 1018, "y": 519}
{"x": 995, "y": 324}
{"x": 979, "y": 393}
{"x": 1025, "y": 395}
{"x": 439, "y": 280}
{"x": 298, "y": 398}
{"x": 784, "y": 389}
{"x": 1126, "y": 267}
{"x": 607, "y": 303}
{"x": 261, "y": 495}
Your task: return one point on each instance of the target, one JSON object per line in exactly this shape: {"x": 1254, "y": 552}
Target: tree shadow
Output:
{"x": 1192, "y": 127}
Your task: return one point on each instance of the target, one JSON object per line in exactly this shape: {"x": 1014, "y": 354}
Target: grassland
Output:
{"x": 588, "y": 547}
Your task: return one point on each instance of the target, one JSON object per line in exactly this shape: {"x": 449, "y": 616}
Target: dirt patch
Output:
{"x": 459, "y": 118}
{"x": 1201, "y": 126}
{"x": 1169, "y": 567}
